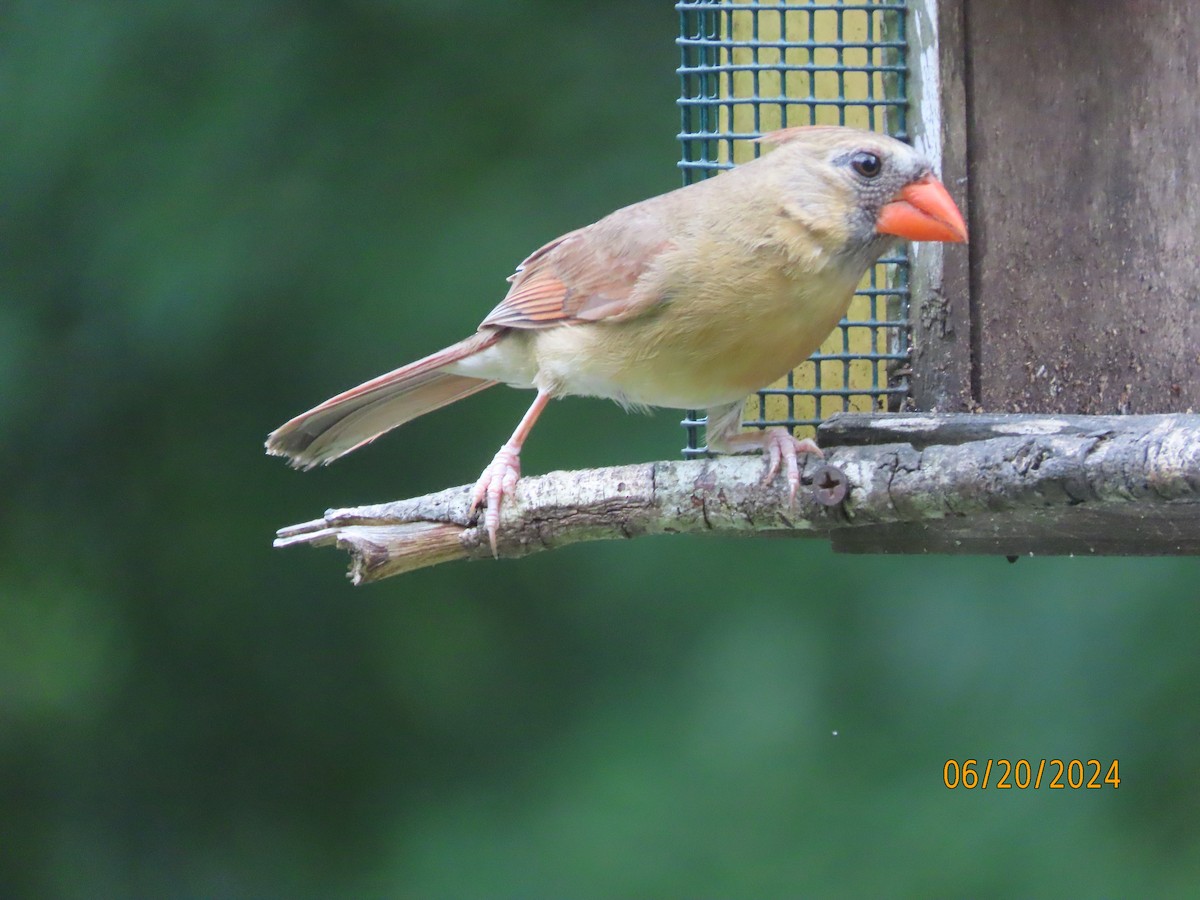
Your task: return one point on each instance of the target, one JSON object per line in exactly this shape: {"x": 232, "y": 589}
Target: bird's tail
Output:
{"x": 361, "y": 414}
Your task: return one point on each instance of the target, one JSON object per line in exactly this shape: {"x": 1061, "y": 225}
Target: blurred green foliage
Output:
{"x": 217, "y": 214}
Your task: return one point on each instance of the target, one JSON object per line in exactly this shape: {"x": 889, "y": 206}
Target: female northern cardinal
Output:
{"x": 693, "y": 299}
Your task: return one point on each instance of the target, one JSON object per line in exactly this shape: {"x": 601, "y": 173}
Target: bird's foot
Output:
{"x": 498, "y": 479}
{"x": 781, "y": 447}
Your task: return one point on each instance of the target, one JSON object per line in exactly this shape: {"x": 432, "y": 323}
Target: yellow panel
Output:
{"x": 750, "y": 94}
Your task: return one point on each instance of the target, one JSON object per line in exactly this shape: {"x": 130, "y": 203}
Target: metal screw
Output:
{"x": 829, "y": 485}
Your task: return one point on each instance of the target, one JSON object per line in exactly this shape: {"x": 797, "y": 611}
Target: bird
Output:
{"x": 693, "y": 299}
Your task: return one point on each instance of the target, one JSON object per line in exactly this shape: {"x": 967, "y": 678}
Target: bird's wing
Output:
{"x": 597, "y": 272}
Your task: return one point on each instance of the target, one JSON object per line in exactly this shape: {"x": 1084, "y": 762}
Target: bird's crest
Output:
{"x": 785, "y": 135}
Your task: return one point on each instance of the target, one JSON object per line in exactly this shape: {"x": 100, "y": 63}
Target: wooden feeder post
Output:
{"x": 1076, "y": 128}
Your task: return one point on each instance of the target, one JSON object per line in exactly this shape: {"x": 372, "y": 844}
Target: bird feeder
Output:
{"x": 1069, "y": 138}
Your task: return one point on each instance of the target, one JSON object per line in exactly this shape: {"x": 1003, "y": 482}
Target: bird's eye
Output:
{"x": 868, "y": 165}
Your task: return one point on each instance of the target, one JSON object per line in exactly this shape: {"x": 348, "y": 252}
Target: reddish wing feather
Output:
{"x": 537, "y": 296}
{"x": 589, "y": 274}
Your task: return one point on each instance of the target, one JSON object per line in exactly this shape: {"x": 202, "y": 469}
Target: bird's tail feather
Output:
{"x": 361, "y": 414}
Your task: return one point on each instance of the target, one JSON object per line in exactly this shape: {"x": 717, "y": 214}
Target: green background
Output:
{"x": 215, "y": 215}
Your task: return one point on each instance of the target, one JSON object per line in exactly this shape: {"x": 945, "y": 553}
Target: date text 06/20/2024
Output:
{"x": 1055, "y": 774}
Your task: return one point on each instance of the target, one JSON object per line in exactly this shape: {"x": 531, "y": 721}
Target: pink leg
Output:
{"x": 778, "y": 445}
{"x": 501, "y": 476}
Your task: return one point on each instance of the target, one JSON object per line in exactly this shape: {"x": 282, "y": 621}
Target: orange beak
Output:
{"x": 923, "y": 211}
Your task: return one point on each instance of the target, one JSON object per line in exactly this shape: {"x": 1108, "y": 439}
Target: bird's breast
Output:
{"x": 706, "y": 344}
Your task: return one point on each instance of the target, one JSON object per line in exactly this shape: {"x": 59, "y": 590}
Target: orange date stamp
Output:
{"x": 1024, "y": 774}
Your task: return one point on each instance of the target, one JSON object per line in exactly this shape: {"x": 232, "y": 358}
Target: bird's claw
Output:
{"x": 498, "y": 479}
{"x": 781, "y": 447}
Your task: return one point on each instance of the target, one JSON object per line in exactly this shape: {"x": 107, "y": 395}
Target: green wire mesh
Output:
{"x": 751, "y": 67}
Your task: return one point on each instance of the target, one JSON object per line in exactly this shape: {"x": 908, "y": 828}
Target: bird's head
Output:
{"x": 859, "y": 189}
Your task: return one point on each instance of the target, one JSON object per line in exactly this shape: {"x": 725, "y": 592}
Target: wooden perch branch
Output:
{"x": 1010, "y": 485}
